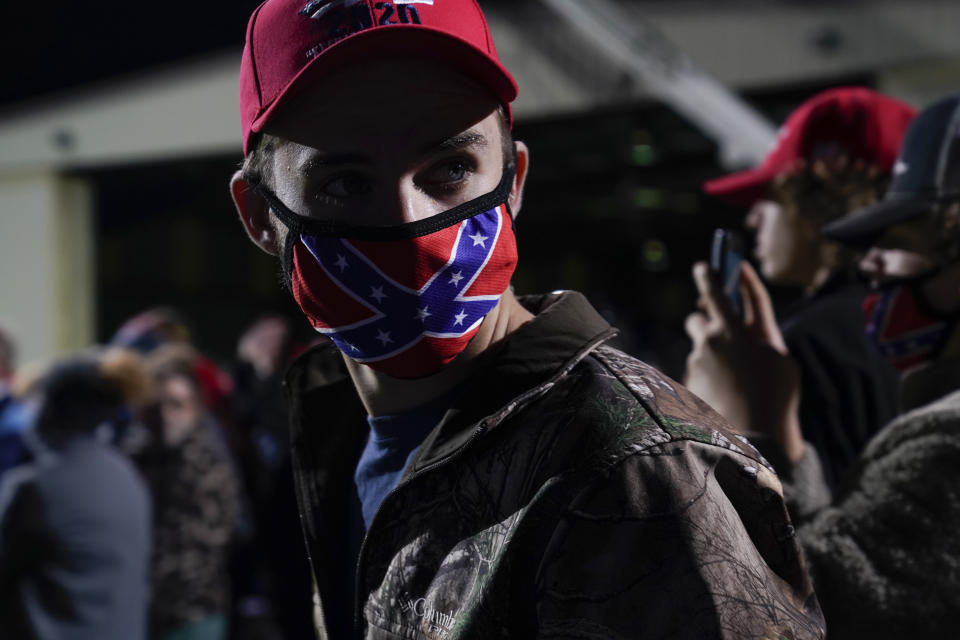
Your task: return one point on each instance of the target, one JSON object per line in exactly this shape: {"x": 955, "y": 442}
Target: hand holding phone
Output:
{"x": 726, "y": 253}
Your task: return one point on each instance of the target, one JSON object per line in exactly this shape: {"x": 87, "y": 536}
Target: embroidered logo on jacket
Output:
{"x": 438, "y": 623}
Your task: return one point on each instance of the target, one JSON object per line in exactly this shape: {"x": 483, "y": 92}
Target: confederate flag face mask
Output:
{"x": 904, "y": 326}
{"x": 403, "y": 299}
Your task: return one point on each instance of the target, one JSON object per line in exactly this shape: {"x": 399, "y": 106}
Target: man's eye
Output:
{"x": 449, "y": 172}
{"x": 348, "y": 186}
{"x": 457, "y": 171}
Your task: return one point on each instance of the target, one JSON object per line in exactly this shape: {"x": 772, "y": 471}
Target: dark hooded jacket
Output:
{"x": 571, "y": 492}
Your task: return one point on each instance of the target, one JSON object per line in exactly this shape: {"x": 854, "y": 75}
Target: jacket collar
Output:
{"x": 564, "y": 330}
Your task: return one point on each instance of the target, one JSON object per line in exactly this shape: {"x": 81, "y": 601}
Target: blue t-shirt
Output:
{"x": 392, "y": 444}
{"x": 15, "y": 418}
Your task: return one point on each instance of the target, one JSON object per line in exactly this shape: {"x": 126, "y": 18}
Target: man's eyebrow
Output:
{"x": 460, "y": 141}
{"x": 317, "y": 161}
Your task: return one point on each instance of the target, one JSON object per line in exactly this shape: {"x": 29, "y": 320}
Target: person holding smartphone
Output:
{"x": 835, "y": 153}
{"x": 883, "y": 551}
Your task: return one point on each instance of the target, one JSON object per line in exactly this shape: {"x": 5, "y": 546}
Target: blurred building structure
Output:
{"x": 56, "y": 154}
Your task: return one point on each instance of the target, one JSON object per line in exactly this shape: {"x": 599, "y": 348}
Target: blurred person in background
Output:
{"x": 155, "y": 327}
{"x": 883, "y": 550}
{"x": 470, "y": 464}
{"x": 14, "y": 414}
{"x": 834, "y": 154}
{"x": 274, "y": 577}
{"x": 196, "y": 497}
{"x": 161, "y": 326}
{"x": 75, "y": 522}
{"x": 263, "y": 353}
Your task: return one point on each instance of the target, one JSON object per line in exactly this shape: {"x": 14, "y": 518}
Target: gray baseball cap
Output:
{"x": 926, "y": 172}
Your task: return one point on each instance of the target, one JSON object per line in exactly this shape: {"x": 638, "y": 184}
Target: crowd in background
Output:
{"x": 169, "y": 478}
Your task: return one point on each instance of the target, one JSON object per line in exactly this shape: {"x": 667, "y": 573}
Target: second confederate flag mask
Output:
{"x": 404, "y": 299}
{"x": 903, "y": 325}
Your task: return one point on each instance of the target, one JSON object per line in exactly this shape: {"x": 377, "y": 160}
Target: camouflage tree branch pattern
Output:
{"x": 572, "y": 492}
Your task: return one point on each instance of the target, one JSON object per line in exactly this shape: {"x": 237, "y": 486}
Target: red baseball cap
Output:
{"x": 926, "y": 175}
{"x": 293, "y": 43}
{"x": 848, "y": 121}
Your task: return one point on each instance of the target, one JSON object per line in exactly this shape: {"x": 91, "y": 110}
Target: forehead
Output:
{"x": 383, "y": 105}
{"x": 177, "y": 386}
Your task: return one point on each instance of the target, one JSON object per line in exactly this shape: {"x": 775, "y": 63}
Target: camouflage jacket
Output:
{"x": 574, "y": 492}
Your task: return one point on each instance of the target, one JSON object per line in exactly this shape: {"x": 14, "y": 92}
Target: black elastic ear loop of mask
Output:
{"x": 915, "y": 284}
{"x": 924, "y": 306}
{"x": 949, "y": 319}
{"x": 286, "y": 262}
{"x": 298, "y": 224}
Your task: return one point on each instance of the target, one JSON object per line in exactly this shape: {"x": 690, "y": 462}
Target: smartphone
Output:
{"x": 726, "y": 253}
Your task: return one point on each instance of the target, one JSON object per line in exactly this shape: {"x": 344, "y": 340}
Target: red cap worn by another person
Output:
{"x": 293, "y": 43}
{"x": 854, "y": 122}
{"x": 925, "y": 176}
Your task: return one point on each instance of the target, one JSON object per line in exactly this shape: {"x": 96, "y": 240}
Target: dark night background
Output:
{"x": 49, "y": 47}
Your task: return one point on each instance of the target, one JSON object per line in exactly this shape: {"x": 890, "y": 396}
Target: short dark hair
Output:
{"x": 257, "y": 166}
{"x": 83, "y": 391}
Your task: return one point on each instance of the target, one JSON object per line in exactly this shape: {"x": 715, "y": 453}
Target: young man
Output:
{"x": 883, "y": 553}
{"x": 469, "y": 464}
{"x": 834, "y": 155}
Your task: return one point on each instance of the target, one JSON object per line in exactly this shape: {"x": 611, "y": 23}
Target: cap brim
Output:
{"x": 742, "y": 188}
{"x": 401, "y": 39}
{"x": 863, "y": 226}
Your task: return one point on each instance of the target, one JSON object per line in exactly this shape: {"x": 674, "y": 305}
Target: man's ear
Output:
{"x": 254, "y": 214}
{"x": 519, "y": 179}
